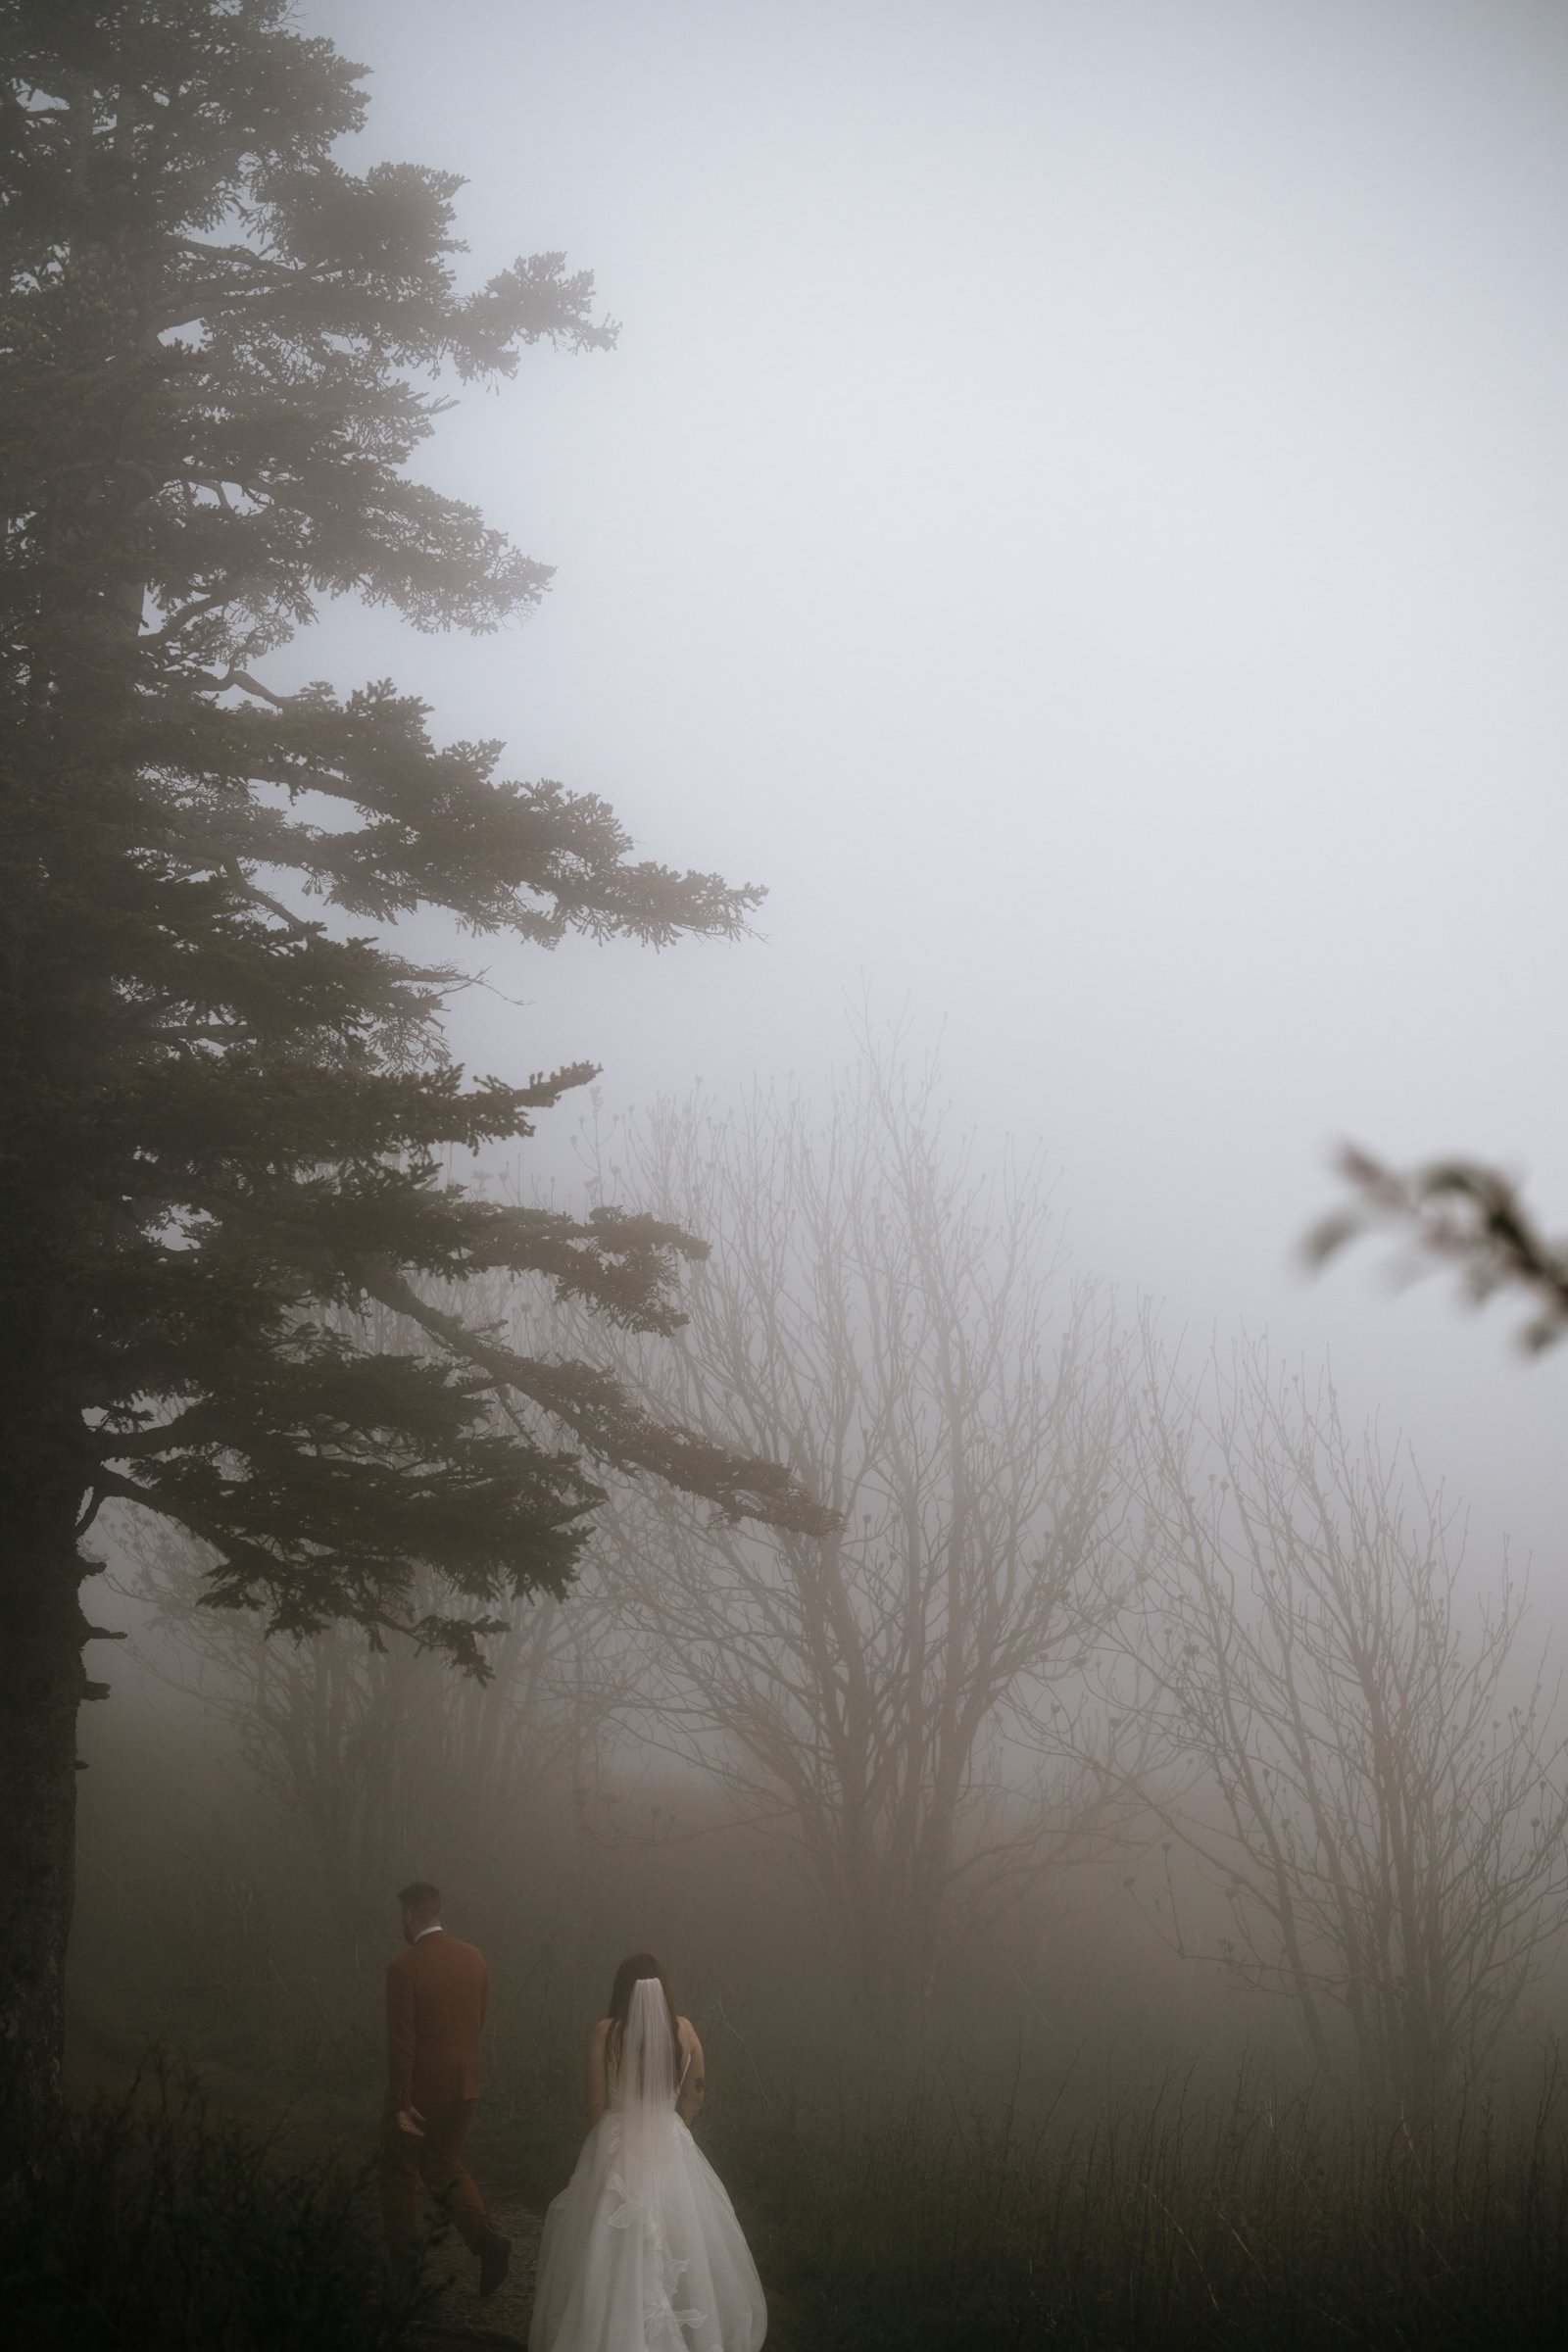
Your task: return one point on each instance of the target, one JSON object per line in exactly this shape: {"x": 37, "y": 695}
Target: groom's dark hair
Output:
{"x": 421, "y": 1898}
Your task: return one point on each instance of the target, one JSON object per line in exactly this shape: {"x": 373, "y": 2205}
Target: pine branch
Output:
{"x": 1456, "y": 1212}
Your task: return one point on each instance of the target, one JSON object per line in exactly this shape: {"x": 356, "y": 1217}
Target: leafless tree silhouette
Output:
{"x": 377, "y": 1755}
{"x": 1378, "y": 1785}
{"x": 892, "y": 1699}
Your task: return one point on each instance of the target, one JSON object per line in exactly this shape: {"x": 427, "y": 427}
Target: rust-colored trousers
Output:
{"x": 437, "y": 2161}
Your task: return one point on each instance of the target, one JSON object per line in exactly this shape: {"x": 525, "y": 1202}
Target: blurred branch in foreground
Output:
{"x": 1454, "y": 1211}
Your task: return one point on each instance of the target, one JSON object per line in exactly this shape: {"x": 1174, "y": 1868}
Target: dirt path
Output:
{"x": 504, "y": 2316}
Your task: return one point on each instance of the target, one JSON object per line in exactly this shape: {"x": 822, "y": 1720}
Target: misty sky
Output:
{"x": 1078, "y": 510}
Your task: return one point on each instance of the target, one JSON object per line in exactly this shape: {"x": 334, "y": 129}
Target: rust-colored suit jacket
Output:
{"x": 436, "y": 1993}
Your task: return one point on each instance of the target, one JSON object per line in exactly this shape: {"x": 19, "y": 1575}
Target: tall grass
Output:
{"x": 1182, "y": 2223}
{"x": 958, "y": 2214}
{"x": 149, "y": 2222}
{"x": 978, "y": 2212}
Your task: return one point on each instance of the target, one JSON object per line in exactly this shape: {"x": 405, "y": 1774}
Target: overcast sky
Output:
{"x": 1078, "y": 510}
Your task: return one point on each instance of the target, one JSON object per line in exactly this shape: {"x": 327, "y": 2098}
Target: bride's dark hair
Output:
{"x": 632, "y": 1972}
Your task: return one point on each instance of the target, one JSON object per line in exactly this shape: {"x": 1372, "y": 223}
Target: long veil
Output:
{"x": 646, "y": 2089}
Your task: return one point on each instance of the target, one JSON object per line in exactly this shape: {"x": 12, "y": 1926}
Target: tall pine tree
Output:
{"x": 226, "y": 1122}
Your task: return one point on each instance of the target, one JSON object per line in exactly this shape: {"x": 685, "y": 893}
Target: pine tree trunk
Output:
{"x": 41, "y": 1686}
{"x": 47, "y": 1467}
{"x": 63, "y": 845}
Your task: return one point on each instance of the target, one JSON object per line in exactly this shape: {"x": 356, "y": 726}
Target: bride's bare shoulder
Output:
{"x": 601, "y": 2033}
{"x": 688, "y": 2033}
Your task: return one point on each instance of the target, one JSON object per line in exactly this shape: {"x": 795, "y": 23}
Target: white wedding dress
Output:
{"x": 641, "y": 2250}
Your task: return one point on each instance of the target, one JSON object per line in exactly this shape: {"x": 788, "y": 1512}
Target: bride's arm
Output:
{"x": 694, "y": 2086}
{"x": 598, "y": 2082}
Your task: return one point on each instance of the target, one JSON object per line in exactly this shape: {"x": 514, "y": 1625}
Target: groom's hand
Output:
{"x": 410, "y": 2121}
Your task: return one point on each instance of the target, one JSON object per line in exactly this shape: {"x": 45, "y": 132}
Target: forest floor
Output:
{"x": 104, "y": 2062}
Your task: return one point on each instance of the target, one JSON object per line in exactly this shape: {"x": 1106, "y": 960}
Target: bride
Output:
{"x": 642, "y": 2251}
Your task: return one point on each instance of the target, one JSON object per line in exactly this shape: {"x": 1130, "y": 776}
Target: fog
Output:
{"x": 1075, "y": 510}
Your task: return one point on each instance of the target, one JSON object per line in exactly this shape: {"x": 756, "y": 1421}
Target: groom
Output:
{"x": 435, "y": 2003}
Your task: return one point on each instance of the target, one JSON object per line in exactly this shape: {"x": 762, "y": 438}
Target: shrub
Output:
{"x": 148, "y": 2220}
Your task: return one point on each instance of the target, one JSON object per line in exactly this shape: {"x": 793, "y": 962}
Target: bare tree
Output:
{"x": 1384, "y": 1809}
{"x": 892, "y": 1327}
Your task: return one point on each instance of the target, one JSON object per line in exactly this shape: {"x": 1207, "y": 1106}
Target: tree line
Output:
{"x": 1080, "y": 1596}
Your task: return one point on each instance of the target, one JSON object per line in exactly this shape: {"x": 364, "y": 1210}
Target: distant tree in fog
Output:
{"x": 1455, "y": 1213}
{"x": 377, "y": 1755}
{"x": 1376, "y": 1782}
{"x": 895, "y": 1328}
{"x": 225, "y": 1116}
